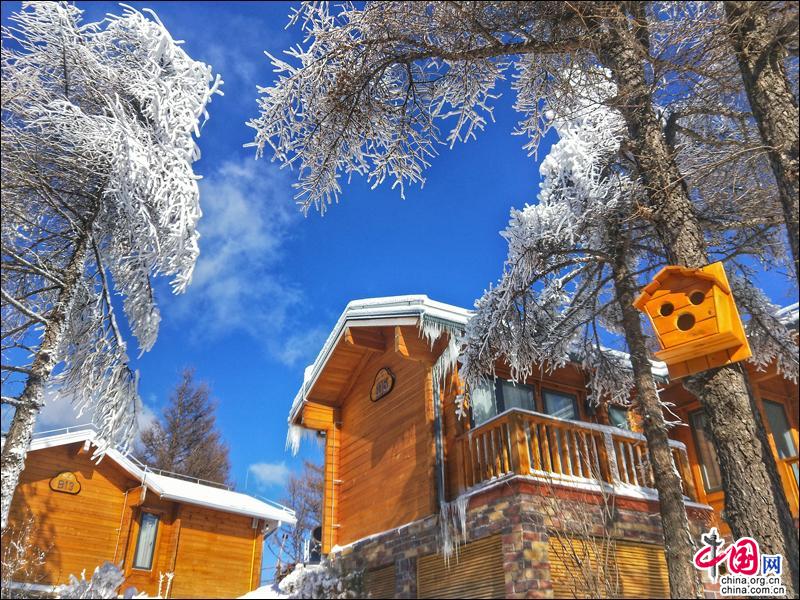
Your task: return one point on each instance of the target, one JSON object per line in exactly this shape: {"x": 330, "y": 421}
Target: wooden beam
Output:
{"x": 318, "y": 416}
{"x": 363, "y": 337}
{"x": 400, "y": 342}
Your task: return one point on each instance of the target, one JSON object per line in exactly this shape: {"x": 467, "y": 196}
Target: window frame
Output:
{"x": 157, "y": 517}
{"x": 500, "y": 400}
{"x": 612, "y": 407}
{"x": 573, "y": 396}
{"x": 703, "y": 469}
{"x": 768, "y": 425}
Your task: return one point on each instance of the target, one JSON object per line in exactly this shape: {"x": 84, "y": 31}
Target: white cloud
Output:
{"x": 266, "y": 475}
{"x": 300, "y": 345}
{"x": 58, "y": 412}
{"x": 238, "y": 284}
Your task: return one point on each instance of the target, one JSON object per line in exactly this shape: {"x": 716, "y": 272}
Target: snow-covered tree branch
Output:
{"x": 98, "y": 196}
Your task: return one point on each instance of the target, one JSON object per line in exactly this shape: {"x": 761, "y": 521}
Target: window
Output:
{"x": 618, "y": 417}
{"x": 781, "y": 432}
{"x": 484, "y": 404}
{"x": 559, "y": 404}
{"x": 709, "y": 465}
{"x": 514, "y": 395}
{"x": 146, "y": 542}
{"x": 490, "y": 399}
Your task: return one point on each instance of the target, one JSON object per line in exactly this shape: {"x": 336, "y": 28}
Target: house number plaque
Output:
{"x": 65, "y": 482}
{"x": 383, "y": 384}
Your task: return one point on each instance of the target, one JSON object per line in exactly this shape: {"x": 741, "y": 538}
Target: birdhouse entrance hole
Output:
{"x": 685, "y": 321}
{"x": 666, "y": 309}
{"x": 697, "y": 297}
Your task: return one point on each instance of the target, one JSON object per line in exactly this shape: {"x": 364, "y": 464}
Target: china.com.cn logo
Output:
{"x": 749, "y": 572}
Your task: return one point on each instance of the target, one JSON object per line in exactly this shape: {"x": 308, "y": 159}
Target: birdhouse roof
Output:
{"x": 651, "y": 288}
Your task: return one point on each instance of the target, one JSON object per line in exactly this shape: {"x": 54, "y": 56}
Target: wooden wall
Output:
{"x": 212, "y": 553}
{"x": 216, "y": 557}
{"x": 77, "y": 531}
{"x": 386, "y": 455}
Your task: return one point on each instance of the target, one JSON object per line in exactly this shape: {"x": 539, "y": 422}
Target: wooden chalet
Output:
{"x": 207, "y": 537}
{"x": 405, "y": 476}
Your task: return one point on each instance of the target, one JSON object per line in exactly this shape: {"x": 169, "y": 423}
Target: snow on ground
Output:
{"x": 266, "y": 591}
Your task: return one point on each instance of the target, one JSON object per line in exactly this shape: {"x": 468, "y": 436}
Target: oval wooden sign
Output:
{"x": 65, "y": 482}
{"x": 383, "y": 384}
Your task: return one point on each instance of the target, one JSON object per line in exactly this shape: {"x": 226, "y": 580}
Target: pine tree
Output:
{"x": 186, "y": 439}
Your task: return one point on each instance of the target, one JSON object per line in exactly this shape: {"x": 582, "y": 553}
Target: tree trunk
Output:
{"x": 20, "y": 432}
{"x": 722, "y": 392}
{"x": 684, "y": 579}
{"x": 760, "y": 55}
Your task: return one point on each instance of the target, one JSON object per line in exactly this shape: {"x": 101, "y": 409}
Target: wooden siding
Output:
{"x": 216, "y": 557}
{"x": 636, "y": 570}
{"x": 477, "y": 572}
{"x": 78, "y": 531}
{"x": 386, "y": 458}
{"x": 212, "y": 553}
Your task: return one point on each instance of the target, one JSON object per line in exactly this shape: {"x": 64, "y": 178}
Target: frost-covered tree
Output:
{"x": 570, "y": 275}
{"x": 763, "y": 35}
{"x": 377, "y": 89}
{"x": 98, "y": 196}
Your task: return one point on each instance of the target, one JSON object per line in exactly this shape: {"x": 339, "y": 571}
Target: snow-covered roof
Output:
{"x": 389, "y": 310}
{"x": 789, "y": 315}
{"x": 173, "y": 488}
{"x": 407, "y": 310}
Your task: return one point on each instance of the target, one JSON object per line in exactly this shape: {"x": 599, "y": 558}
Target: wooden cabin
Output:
{"x": 85, "y": 512}
{"x": 412, "y": 488}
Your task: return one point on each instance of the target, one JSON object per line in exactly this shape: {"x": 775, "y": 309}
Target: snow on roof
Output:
{"x": 173, "y": 488}
{"x": 789, "y": 315}
{"x": 405, "y": 310}
{"x": 389, "y": 310}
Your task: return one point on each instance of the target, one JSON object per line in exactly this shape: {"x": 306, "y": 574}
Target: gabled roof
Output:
{"x": 173, "y": 488}
{"x": 407, "y": 310}
{"x": 655, "y": 285}
{"x": 389, "y": 310}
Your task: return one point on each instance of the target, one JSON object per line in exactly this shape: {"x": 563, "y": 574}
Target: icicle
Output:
{"x": 431, "y": 330}
{"x": 453, "y": 526}
{"x": 295, "y": 435}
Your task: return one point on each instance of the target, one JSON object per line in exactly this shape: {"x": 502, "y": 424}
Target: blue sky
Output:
{"x": 270, "y": 284}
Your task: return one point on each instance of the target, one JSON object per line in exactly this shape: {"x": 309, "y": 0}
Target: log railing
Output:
{"x": 528, "y": 443}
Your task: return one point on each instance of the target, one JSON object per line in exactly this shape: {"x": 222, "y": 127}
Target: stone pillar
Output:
{"x": 525, "y": 562}
{"x": 406, "y": 578}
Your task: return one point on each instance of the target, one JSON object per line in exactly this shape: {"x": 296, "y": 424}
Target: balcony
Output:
{"x": 522, "y": 442}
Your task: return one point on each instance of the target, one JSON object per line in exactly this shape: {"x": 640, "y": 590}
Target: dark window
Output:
{"x": 706, "y": 454}
{"x": 146, "y": 542}
{"x": 618, "y": 417}
{"x": 559, "y": 404}
{"x": 514, "y": 395}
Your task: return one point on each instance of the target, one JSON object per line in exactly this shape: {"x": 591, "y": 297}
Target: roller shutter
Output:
{"x": 380, "y": 583}
{"x": 476, "y": 573}
{"x": 590, "y": 569}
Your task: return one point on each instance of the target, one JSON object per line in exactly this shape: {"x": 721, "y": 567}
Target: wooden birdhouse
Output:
{"x": 695, "y": 319}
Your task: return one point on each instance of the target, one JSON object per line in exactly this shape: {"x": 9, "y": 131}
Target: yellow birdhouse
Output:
{"x": 695, "y": 319}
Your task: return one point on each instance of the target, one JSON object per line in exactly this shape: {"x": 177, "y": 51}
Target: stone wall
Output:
{"x": 522, "y": 511}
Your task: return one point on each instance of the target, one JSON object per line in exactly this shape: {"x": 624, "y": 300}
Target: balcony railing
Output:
{"x": 523, "y": 442}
